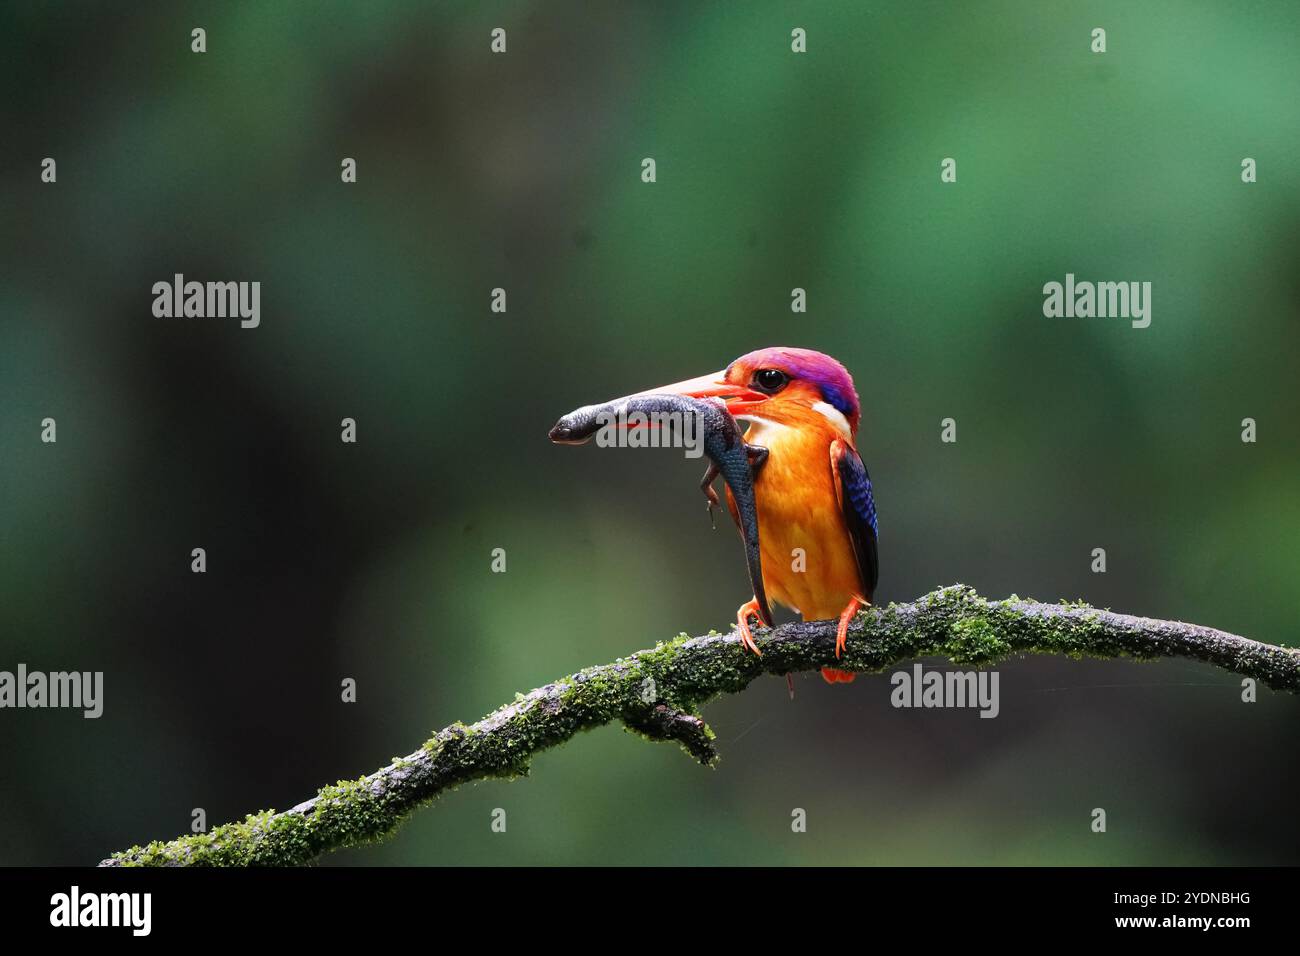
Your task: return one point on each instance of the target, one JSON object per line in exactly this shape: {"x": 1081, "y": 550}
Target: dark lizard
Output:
{"x": 728, "y": 453}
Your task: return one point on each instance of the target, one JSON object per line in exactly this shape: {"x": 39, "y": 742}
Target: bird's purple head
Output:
{"x": 792, "y": 373}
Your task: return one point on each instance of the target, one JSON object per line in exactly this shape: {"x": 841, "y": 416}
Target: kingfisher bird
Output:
{"x": 816, "y": 510}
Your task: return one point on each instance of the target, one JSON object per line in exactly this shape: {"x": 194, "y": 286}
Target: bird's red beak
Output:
{"x": 738, "y": 398}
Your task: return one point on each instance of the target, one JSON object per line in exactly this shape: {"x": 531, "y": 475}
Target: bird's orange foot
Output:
{"x": 830, "y": 674}
{"x": 748, "y": 609}
{"x": 834, "y": 676}
{"x": 842, "y": 632}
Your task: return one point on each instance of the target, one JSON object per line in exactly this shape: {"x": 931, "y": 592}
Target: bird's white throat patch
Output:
{"x": 765, "y": 431}
{"x": 762, "y": 428}
{"x": 836, "y": 418}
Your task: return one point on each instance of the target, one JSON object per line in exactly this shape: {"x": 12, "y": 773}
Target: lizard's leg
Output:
{"x": 706, "y": 486}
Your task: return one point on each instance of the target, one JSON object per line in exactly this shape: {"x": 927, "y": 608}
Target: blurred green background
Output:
{"x": 522, "y": 171}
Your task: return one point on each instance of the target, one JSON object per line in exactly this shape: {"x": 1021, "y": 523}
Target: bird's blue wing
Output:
{"x": 859, "y": 507}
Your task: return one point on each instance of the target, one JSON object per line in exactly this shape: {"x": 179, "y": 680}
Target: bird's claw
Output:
{"x": 748, "y": 609}
{"x": 842, "y": 631}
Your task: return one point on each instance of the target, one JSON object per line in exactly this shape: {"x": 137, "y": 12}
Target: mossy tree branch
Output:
{"x": 657, "y": 693}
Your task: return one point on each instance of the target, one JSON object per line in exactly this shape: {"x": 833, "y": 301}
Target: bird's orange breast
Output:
{"x": 808, "y": 559}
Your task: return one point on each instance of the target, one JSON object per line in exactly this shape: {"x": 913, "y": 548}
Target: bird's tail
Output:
{"x": 833, "y": 676}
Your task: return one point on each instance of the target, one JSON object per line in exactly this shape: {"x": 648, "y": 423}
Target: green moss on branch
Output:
{"x": 657, "y": 693}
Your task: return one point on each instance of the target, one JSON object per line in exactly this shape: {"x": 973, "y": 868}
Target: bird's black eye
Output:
{"x": 770, "y": 379}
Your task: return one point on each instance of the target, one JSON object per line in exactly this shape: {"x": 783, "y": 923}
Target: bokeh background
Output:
{"x": 775, "y": 170}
